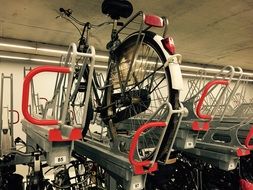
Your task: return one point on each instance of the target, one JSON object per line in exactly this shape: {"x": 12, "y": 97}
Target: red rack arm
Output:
{"x": 246, "y": 185}
{"x": 55, "y": 135}
{"x": 204, "y": 94}
{"x": 139, "y": 167}
{"x": 26, "y": 88}
{"x": 248, "y": 138}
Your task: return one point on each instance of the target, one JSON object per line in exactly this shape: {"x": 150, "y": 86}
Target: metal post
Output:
{"x": 11, "y": 108}
{"x": 1, "y": 107}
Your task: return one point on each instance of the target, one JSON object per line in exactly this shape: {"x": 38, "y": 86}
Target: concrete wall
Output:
{"x": 44, "y": 84}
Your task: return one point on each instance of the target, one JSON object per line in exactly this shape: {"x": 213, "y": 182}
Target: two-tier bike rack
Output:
{"x": 50, "y": 132}
{"x": 218, "y": 128}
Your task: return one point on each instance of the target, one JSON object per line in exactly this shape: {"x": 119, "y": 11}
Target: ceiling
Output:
{"x": 205, "y": 31}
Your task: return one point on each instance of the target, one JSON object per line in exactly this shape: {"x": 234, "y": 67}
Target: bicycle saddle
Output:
{"x": 117, "y": 8}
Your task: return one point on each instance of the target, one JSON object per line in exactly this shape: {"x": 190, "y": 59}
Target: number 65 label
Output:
{"x": 60, "y": 159}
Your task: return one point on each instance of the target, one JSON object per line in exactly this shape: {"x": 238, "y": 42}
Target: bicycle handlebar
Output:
{"x": 68, "y": 13}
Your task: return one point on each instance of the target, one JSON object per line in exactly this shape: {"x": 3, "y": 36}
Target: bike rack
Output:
{"x": 204, "y": 94}
{"x": 139, "y": 167}
{"x": 52, "y": 134}
{"x": 6, "y": 129}
{"x": 26, "y": 88}
{"x": 122, "y": 167}
{"x": 215, "y": 135}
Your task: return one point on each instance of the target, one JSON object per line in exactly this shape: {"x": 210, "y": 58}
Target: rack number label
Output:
{"x": 136, "y": 186}
{"x": 60, "y": 159}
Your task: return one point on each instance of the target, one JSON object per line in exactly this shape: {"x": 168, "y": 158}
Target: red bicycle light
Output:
{"x": 153, "y": 20}
{"x": 169, "y": 45}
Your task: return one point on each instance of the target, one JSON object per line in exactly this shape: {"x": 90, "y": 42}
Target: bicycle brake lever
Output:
{"x": 67, "y": 12}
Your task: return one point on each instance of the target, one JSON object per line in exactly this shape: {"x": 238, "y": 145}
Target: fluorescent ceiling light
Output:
{"x": 100, "y": 66}
{"x": 41, "y": 60}
{"x": 44, "y": 60}
{"x": 199, "y": 68}
{"x": 104, "y": 66}
{"x": 16, "y": 46}
{"x": 102, "y": 56}
{"x": 52, "y": 50}
{"x": 27, "y": 58}
{"x": 212, "y": 70}
{"x": 97, "y": 66}
{"x": 13, "y": 57}
{"x": 211, "y": 77}
{"x": 246, "y": 73}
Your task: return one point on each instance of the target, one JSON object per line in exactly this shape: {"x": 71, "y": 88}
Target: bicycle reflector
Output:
{"x": 153, "y": 20}
{"x": 168, "y": 44}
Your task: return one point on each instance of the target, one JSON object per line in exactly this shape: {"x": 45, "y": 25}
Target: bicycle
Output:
{"x": 143, "y": 74}
{"x": 80, "y": 173}
{"x": 35, "y": 179}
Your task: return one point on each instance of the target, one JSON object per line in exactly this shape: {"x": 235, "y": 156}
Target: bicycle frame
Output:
{"x": 143, "y": 26}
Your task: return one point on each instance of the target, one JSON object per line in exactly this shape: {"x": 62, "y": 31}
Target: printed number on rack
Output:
{"x": 136, "y": 186}
{"x": 60, "y": 159}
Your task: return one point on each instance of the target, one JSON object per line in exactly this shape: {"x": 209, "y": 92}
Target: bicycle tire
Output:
{"x": 145, "y": 96}
{"x": 77, "y": 98}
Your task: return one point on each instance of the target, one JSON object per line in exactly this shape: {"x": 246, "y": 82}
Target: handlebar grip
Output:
{"x": 26, "y": 88}
{"x": 62, "y": 10}
{"x": 67, "y": 12}
{"x": 204, "y": 94}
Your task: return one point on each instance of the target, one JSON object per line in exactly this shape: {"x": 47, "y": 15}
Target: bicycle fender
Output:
{"x": 176, "y": 76}
{"x": 172, "y": 62}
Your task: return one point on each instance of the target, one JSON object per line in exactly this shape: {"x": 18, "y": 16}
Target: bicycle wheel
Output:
{"x": 178, "y": 175}
{"x": 77, "y": 98}
{"x": 138, "y": 90}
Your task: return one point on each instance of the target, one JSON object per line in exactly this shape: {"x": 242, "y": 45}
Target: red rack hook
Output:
{"x": 246, "y": 185}
{"x": 204, "y": 94}
{"x": 140, "y": 167}
{"x": 26, "y": 88}
{"x": 248, "y": 138}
